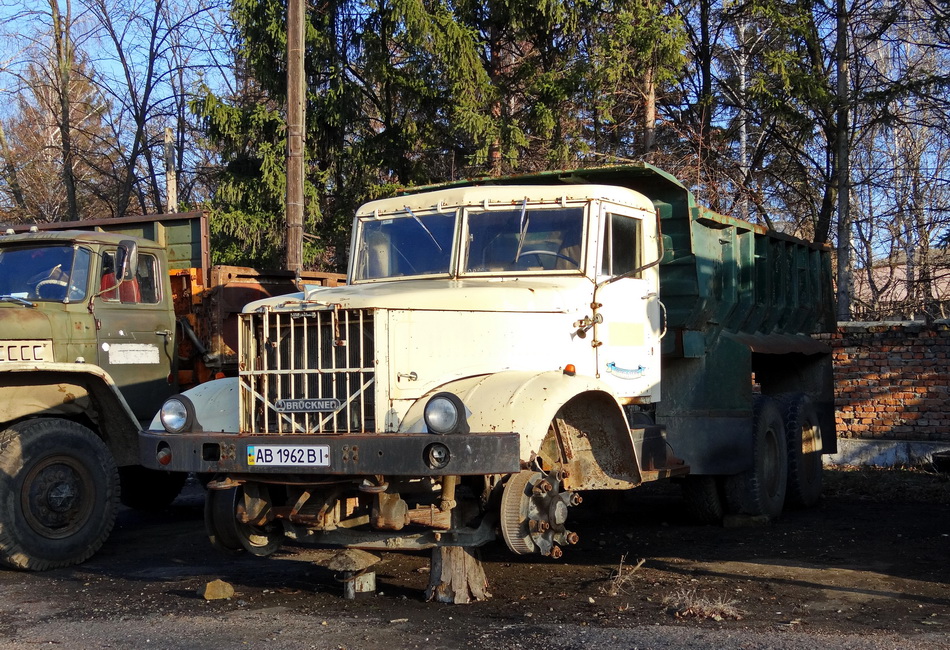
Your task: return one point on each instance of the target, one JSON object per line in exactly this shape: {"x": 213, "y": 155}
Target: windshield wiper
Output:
{"x": 524, "y": 221}
{"x": 423, "y": 226}
{"x": 18, "y": 300}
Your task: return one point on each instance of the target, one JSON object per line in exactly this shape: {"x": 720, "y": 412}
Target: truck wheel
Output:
{"x": 805, "y": 467}
{"x": 232, "y": 536}
{"x": 533, "y": 513}
{"x": 149, "y": 489}
{"x": 59, "y": 494}
{"x": 704, "y": 499}
{"x": 221, "y": 520}
{"x": 760, "y": 490}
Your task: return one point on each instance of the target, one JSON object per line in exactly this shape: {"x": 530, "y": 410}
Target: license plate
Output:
{"x": 288, "y": 455}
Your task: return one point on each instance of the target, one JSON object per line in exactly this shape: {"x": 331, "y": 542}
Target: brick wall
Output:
{"x": 892, "y": 380}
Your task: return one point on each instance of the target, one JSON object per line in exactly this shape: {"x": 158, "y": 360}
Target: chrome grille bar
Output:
{"x": 307, "y": 357}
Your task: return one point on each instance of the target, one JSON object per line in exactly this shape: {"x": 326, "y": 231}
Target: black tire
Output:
{"x": 59, "y": 494}
{"x": 760, "y": 490}
{"x": 805, "y": 467}
{"x": 221, "y": 520}
{"x": 704, "y": 499}
{"x": 232, "y": 536}
{"x": 149, "y": 489}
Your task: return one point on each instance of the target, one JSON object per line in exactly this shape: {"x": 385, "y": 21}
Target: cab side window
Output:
{"x": 621, "y": 245}
{"x": 142, "y": 289}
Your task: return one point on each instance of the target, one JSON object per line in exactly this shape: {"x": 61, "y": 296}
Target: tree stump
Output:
{"x": 456, "y": 576}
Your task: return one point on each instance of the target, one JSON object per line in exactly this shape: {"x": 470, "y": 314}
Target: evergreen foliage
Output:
{"x": 404, "y": 92}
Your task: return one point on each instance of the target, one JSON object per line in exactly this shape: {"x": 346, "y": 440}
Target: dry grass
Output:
{"x": 887, "y": 484}
{"x": 619, "y": 582}
{"x": 686, "y": 603}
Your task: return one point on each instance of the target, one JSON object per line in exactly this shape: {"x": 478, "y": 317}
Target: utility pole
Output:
{"x": 171, "y": 178}
{"x": 296, "y": 118}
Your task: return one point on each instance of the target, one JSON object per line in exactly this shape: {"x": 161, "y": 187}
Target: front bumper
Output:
{"x": 389, "y": 454}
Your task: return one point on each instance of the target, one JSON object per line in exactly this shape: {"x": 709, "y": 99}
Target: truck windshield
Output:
{"x": 525, "y": 239}
{"x": 51, "y": 272}
{"x": 406, "y": 244}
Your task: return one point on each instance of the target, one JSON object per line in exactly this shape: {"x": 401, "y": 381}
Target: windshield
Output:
{"x": 405, "y": 244}
{"x": 50, "y": 272}
{"x": 525, "y": 239}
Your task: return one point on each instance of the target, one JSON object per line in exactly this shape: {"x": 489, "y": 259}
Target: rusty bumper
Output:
{"x": 390, "y": 454}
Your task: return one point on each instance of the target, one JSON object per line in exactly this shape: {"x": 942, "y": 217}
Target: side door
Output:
{"x": 627, "y": 326}
{"x": 136, "y": 326}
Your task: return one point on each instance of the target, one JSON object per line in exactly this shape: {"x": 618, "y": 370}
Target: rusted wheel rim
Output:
{"x": 55, "y": 497}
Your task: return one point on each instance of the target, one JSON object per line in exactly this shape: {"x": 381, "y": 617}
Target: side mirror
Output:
{"x": 126, "y": 260}
{"x": 667, "y": 249}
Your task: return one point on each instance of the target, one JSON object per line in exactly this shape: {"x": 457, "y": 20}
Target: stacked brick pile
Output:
{"x": 892, "y": 380}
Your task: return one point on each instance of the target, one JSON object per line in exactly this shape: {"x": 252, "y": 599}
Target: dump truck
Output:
{"x": 503, "y": 346}
{"x": 100, "y": 322}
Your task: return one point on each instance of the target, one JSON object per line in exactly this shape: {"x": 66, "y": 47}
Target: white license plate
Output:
{"x": 288, "y": 455}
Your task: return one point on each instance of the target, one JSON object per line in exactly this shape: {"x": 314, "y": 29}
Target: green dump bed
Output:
{"x": 184, "y": 236}
{"x": 720, "y": 273}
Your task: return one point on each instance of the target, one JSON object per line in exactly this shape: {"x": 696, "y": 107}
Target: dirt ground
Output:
{"x": 867, "y": 568}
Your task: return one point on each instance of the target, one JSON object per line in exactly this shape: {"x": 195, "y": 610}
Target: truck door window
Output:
{"x": 546, "y": 239}
{"x": 621, "y": 245}
{"x": 143, "y": 288}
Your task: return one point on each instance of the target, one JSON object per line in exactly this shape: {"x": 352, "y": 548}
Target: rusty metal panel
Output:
{"x": 233, "y": 287}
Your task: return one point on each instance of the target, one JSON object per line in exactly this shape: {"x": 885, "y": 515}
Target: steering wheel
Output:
{"x": 570, "y": 260}
{"x": 60, "y": 284}
{"x": 39, "y": 276}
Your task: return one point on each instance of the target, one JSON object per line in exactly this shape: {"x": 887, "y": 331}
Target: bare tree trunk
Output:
{"x": 494, "y": 73}
{"x": 139, "y": 98}
{"x": 649, "y": 112}
{"x": 64, "y": 60}
{"x": 10, "y": 172}
{"x": 706, "y": 82}
{"x": 843, "y": 168}
{"x": 742, "y": 65}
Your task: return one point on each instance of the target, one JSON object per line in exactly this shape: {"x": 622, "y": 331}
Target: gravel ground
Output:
{"x": 866, "y": 569}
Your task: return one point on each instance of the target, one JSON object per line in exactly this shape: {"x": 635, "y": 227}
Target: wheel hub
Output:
{"x": 52, "y": 500}
{"x": 62, "y": 496}
{"x": 534, "y": 510}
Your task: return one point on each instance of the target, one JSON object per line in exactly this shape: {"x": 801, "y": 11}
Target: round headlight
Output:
{"x": 445, "y": 413}
{"x": 177, "y": 414}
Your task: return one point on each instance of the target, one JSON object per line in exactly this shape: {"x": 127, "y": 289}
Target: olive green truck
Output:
{"x": 100, "y": 321}
{"x": 503, "y": 345}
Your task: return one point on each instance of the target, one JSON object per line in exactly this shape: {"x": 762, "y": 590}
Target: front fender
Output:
{"x": 521, "y": 401}
{"x": 73, "y": 391}
{"x": 216, "y": 406}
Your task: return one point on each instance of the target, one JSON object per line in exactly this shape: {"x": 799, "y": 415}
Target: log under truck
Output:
{"x": 504, "y": 344}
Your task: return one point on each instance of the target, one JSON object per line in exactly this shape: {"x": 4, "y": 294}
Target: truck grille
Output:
{"x": 307, "y": 372}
